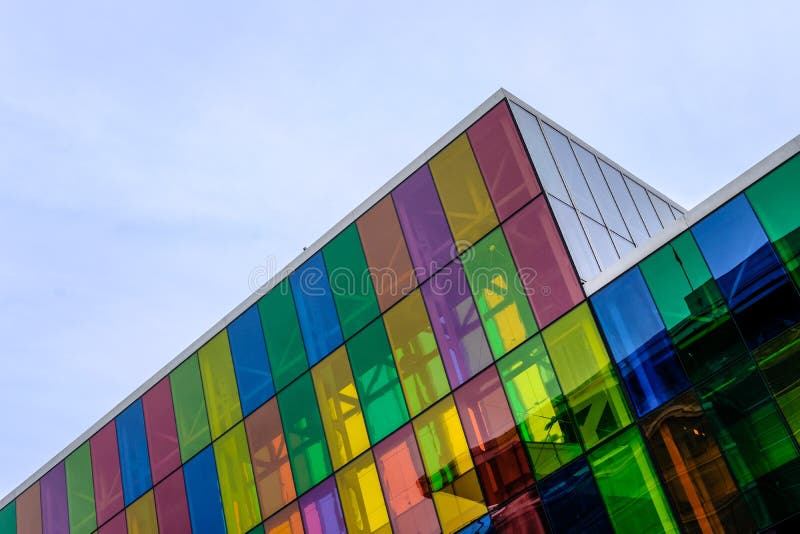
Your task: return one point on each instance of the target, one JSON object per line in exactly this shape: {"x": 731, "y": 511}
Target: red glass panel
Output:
{"x": 118, "y": 525}
{"x": 523, "y": 514}
{"x": 105, "y": 470}
{"x": 162, "y": 435}
{"x": 172, "y": 509}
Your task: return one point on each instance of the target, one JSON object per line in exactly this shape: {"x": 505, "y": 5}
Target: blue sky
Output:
{"x": 153, "y": 155}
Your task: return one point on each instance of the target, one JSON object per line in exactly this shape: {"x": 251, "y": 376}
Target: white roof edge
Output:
{"x": 693, "y": 216}
{"x": 527, "y": 107}
{"x": 315, "y": 247}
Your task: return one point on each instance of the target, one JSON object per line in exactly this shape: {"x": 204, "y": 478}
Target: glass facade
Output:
{"x": 437, "y": 366}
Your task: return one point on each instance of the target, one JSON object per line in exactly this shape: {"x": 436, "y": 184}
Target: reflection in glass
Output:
{"x": 576, "y": 240}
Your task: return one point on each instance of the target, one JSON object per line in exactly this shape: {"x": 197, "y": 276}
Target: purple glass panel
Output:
{"x": 456, "y": 324}
{"x": 321, "y": 509}
{"x": 55, "y": 516}
{"x": 423, "y": 223}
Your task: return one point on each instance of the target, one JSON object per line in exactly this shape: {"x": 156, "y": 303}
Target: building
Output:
{"x": 513, "y": 335}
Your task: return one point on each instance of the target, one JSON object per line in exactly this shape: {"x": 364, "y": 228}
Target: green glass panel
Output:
{"x": 305, "y": 438}
{"x": 190, "y": 408}
{"x": 258, "y": 530}
{"x": 774, "y": 199}
{"x": 692, "y": 306}
{"x": 586, "y": 376}
{"x": 236, "y": 482}
{"x": 775, "y": 497}
{"x": 350, "y": 282}
{"x": 8, "y": 518}
{"x": 539, "y": 407}
{"x": 80, "y": 491}
{"x": 377, "y": 382}
{"x": 499, "y": 293}
{"x": 746, "y": 421}
{"x": 219, "y": 384}
{"x": 779, "y": 360}
{"x": 629, "y": 485}
{"x": 285, "y": 349}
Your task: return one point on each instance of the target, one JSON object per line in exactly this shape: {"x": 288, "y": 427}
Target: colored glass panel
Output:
{"x": 402, "y": 475}
{"x": 321, "y": 509}
{"x": 774, "y": 200}
{"x": 236, "y": 482}
{"x": 162, "y": 434}
{"x": 779, "y": 360}
{"x": 172, "y": 509}
{"x": 308, "y": 451}
{"x": 586, "y": 376}
{"x": 775, "y": 497}
{"x": 141, "y": 515}
{"x": 752, "y": 279}
{"x": 573, "y": 502}
{"x": 133, "y": 457}
{"x": 287, "y": 521}
{"x": 219, "y": 384}
{"x": 424, "y": 224}
{"x": 499, "y": 293}
{"x": 386, "y": 253}
{"x": 250, "y": 362}
{"x": 270, "y": 459}
{"x": 639, "y": 342}
{"x": 80, "y": 491}
{"x": 316, "y": 310}
{"x": 285, "y": 349}
{"x": 191, "y": 419}
{"x": 376, "y": 381}
{"x": 340, "y": 408}
{"x": 746, "y": 421}
{"x": 117, "y": 525}
{"x": 416, "y": 355}
{"x": 463, "y": 193}
{"x": 524, "y": 513}
{"x": 492, "y": 437}
{"x": 106, "y": 473}
{"x": 456, "y": 324}
{"x": 629, "y": 485}
{"x": 692, "y": 307}
{"x": 445, "y": 454}
{"x": 8, "y": 518}
{"x": 350, "y": 281}
{"x": 539, "y": 407}
{"x": 29, "y": 511}
{"x": 542, "y": 262}
{"x": 503, "y": 161}
{"x": 686, "y": 453}
{"x": 362, "y": 498}
{"x": 202, "y": 493}
{"x": 53, "y": 488}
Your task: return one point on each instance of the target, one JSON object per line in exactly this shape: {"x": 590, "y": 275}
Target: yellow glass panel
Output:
{"x": 456, "y": 492}
{"x": 340, "y": 408}
{"x": 361, "y": 496}
{"x": 416, "y": 353}
{"x": 236, "y": 482}
{"x": 219, "y": 384}
{"x": 466, "y": 202}
{"x": 141, "y": 515}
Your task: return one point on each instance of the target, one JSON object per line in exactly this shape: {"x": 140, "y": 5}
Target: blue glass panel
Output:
{"x": 749, "y": 274}
{"x": 482, "y": 525}
{"x": 250, "y": 362}
{"x": 572, "y": 501}
{"x": 134, "y": 461}
{"x": 639, "y": 342}
{"x": 315, "y": 309}
{"x": 202, "y": 493}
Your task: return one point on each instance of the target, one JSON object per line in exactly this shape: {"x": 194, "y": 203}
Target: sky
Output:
{"x": 156, "y": 158}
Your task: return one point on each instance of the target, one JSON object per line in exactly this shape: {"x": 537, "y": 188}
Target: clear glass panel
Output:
{"x": 644, "y": 206}
{"x": 622, "y": 245}
{"x": 625, "y": 203}
{"x": 546, "y": 168}
{"x": 576, "y": 240}
{"x": 662, "y": 209}
{"x": 602, "y": 195}
{"x": 675, "y": 212}
{"x": 601, "y": 242}
{"x": 362, "y": 498}
{"x": 571, "y": 171}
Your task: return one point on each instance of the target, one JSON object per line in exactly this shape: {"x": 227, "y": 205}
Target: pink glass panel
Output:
{"x": 172, "y": 510}
{"x": 106, "y": 474}
{"x": 499, "y": 456}
{"x": 544, "y": 266}
{"x": 503, "y": 161}
{"x": 162, "y": 435}
{"x": 524, "y": 514}
{"x": 118, "y": 525}
{"x": 55, "y": 516}
{"x": 405, "y": 485}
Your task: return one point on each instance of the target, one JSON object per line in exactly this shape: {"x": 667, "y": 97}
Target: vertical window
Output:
{"x": 250, "y": 363}
{"x": 190, "y": 408}
{"x": 285, "y": 349}
{"x": 80, "y": 491}
{"x": 162, "y": 434}
{"x": 573, "y": 502}
{"x": 202, "y": 493}
{"x": 644, "y": 206}
{"x": 287, "y": 521}
{"x": 577, "y": 242}
{"x": 362, "y": 498}
{"x": 236, "y": 482}
{"x": 219, "y": 384}
{"x": 600, "y": 191}
{"x": 321, "y": 509}
{"x": 172, "y": 509}
{"x": 53, "y": 488}
{"x": 133, "y": 456}
{"x": 106, "y": 473}
{"x": 141, "y": 515}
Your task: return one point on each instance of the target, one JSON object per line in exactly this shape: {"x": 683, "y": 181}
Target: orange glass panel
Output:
{"x": 287, "y": 521}
{"x": 29, "y": 511}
